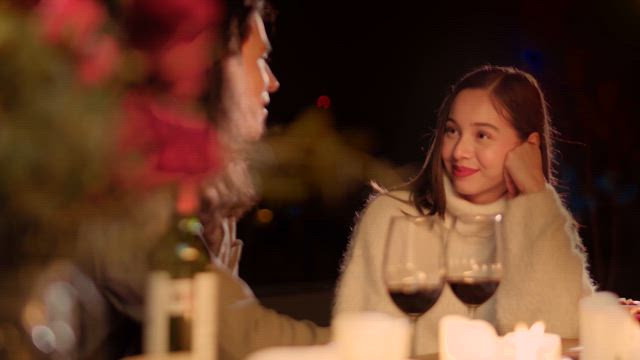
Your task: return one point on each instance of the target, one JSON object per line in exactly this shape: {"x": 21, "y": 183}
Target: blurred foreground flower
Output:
{"x": 159, "y": 145}
{"x": 99, "y": 61}
{"x": 76, "y": 25}
{"x": 101, "y": 141}
{"x": 73, "y": 22}
{"x": 154, "y": 24}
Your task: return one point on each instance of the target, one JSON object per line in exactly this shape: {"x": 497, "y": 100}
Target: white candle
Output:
{"x": 607, "y": 331}
{"x": 371, "y": 336}
{"x": 463, "y": 339}
{"x": 205, "y": 316}
{"x": 526, "y": 343}
{"x": 156, "y": 329}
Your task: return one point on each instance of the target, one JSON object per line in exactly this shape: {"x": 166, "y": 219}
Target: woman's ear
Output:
{"x": 534, "y": 138}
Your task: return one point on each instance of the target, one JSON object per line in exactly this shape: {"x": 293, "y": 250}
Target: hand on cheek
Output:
{"x": 523, "y": 168}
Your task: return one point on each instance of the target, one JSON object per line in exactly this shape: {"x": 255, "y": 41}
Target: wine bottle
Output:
{"x": 178, "y": 256}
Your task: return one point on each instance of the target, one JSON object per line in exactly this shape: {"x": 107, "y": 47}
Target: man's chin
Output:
{"x": 255, "y": 128}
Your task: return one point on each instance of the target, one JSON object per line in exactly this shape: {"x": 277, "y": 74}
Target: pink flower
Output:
{"x": 71, "y": 21}
{"x": 161, "y": 145}
{"x": 184, "y": 65}
{"x": 157, "y": 23}
{"x": 98, "y": 61}
{"x": 176, "y": 37}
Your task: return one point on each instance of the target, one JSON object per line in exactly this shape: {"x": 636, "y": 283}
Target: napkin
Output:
{"x": 607, "y": 331}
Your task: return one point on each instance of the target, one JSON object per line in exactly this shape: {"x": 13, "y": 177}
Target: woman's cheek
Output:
{"x": 491, "y": 158}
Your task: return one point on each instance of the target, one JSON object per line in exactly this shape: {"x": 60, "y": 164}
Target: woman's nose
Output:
{"x": 462, "y": 149}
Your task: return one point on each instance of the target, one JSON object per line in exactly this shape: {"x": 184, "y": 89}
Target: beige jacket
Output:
{"x": 247, "y": 326}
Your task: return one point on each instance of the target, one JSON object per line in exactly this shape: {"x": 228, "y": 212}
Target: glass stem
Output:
{"x": 472, "y": 311}
{"x": 413, "y": 319}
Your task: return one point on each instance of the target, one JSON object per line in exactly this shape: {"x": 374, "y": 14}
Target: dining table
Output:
{"x": 570, "y": 351}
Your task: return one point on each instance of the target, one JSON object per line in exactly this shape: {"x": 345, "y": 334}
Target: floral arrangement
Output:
{"x": 102, "y": 101}
{"x": 632, "y": 306}
{"x": 104, "y": 118}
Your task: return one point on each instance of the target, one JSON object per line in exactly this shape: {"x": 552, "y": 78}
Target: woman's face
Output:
{"x": 476, "y": 141}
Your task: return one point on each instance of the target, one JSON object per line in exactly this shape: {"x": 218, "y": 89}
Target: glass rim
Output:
{"x": 416, "y": 218}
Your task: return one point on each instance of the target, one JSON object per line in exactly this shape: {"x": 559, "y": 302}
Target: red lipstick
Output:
{"x": 461, "y": 171}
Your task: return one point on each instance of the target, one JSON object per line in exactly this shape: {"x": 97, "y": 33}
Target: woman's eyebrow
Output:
{"x": 485, "y": 124}
{"x": 476, "y": 124}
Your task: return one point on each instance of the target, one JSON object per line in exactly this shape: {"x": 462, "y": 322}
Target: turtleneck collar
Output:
{"x": 456, "y": 205}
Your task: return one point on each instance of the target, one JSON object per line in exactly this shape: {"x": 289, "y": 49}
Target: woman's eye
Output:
{"x": 483, "y": 135}
{"x": 449, "y": 131}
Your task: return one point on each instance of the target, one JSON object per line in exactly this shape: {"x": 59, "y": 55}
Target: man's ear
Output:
{"x": 534, "y": 138}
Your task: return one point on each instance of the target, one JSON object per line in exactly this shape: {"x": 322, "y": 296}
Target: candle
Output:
{"x": 156, "y": 330}
{"x": 205, "y": 316}
{"x": 607, "y": 331}
{"x": 464, "y": 339}
{"x": 371, "y": 336}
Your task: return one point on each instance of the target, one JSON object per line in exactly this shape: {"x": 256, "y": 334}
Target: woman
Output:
{"x": 491, "y": 153}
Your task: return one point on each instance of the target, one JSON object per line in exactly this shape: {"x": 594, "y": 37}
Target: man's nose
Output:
{"x": 274, "y": 84}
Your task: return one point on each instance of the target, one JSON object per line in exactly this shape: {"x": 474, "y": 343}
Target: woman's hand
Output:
{"x": 523, "y": 168}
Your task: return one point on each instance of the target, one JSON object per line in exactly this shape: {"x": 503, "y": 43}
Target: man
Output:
{"x": 239, "y": 89}
{"x": 245, "y": 325}
{"x": 107, "y": 231}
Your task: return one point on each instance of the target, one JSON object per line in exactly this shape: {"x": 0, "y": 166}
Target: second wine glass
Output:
{"x": 414, "y": 268}
{"x": 474, "y": 264}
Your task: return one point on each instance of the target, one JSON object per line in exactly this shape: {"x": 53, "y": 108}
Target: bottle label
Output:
{"x": 180, "y": 303}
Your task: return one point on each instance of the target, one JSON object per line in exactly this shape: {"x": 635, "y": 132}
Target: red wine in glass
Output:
{"x": 415, "y": 302}
{"x": 413, "y": 266}
{"x": 473, "y": 253}
{"x": 473, "y": 291}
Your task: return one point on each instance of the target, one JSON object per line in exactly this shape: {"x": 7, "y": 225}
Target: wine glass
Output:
{"x": 414, "y": 269}
{"x": 473, "y": 257}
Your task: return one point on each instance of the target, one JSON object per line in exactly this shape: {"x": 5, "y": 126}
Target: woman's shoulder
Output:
{"x": 389, "y": 203}
{"x": 372, "y": 221}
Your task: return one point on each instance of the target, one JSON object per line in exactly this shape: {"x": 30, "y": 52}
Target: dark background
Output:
{"x": 386, "y": 67}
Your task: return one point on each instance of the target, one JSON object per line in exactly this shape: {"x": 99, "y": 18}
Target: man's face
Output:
{"x": 250, "y": 82}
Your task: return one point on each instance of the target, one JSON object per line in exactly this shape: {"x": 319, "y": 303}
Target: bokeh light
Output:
{"x": 33, "y": 314}
{"x": 323, "y": 102}
{"x": 186, "y": 252}
{"x": 264, "y": 216}
{"x": 65, "y": 337}
{"x": 43, "y": 338}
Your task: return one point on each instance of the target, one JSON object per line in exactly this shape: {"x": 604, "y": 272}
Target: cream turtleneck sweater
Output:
{"x": 544, "y": 272}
